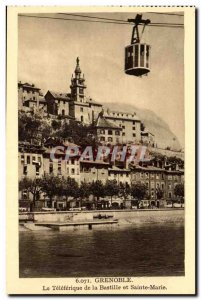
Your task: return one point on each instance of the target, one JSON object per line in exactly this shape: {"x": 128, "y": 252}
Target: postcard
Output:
{"x": 101, "y": 150}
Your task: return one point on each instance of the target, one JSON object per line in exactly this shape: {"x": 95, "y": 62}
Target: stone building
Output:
{"x": 93, "y": 171}
{"x": 57, "y": 103}
{"x": 106, "y": 131}
{"x": 30, "y": 96}
{"x": 30, "y": 165}
{"x": 30, "y": 161}
{"x": 129, "y": 123}
{"x": 157, "y": 179}
{"x": 121, "y": 175}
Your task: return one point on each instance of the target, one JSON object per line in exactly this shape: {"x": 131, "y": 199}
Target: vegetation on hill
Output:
{"x": 36, "y": 130}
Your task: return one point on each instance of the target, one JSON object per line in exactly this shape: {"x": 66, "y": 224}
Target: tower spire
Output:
{"x": 77, "y": 69}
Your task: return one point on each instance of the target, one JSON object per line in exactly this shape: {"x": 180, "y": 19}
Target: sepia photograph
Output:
{"x": 101, "y": 143}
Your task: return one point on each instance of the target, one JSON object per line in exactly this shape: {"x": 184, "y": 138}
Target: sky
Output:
{"x": 47, "y": 51}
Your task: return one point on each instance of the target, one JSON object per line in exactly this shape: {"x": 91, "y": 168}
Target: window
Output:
{"x": 81, "y": 90}
{"x": 169, "y": 186}
{"x": 59, "y": 169}
{"x": 102, "y": 131}
{"x": 147, "y": 175}
{"x": 133, "y": 122}
{"x": 152, "y": 184}
{"x": 123, "y": 127}
{"x": 22, "y": 158}
{"x": 37, "y": 170}
{"x": 157, "y": 176}
{"x": 117, "y": 132}
{"x": 72, "y": 161}
{"x": 63, "y": 112}
{"x": 134, "y": 135}
{"x": 162, "y": 186}
{"x": 33, "y": 159}
{"x": 73, "y": 171}
{"x": 133, "y": 127}
{"x": 25, "y": 170}
{"x": 82, "y": 118}
{"x": 169, "y": 177}
{"x": 123, "y": 133}
{"x": 110, "y": 139}
{"x": 110, "y": 132}
{"x": 28, "y": 160}
{"x": 102, "y": 138}
{"x": 81, "y": 109}
{"x": 162, "y": 176}
{"x": 34, "y": 98}
{"x": 51, "y": 168}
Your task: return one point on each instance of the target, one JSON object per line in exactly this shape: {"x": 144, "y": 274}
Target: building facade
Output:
{"x": 157, "y": 180}
{"x": 30, "y": 96}
{"x": 129, "y": 124}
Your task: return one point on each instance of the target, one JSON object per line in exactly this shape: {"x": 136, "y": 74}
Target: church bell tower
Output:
{"x": 78, "y": 84}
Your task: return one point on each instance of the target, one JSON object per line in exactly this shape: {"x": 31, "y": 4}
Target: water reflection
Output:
{"x": 149, "y": 250}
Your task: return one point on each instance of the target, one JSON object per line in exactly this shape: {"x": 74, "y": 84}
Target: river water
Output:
{"x": 143, "y": 250}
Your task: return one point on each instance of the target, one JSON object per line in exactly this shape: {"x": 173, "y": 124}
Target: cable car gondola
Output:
{"x": 137, "y": 55}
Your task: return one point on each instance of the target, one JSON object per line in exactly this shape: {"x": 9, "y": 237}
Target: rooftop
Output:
{"x": 59, "y": 96}
{"x": 94, "y": 162}
{"x": 28, "y": 85}
{"x": 121, "y": 115}
{"x": 116, "y": 169}
{"x": 101, "y": 122}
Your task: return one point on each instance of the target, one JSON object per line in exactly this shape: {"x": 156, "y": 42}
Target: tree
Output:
{"x": 179, "y": 190}
{"x": 138, "y": 190}
{"x": 97, "y": 189}
{"x": 124, "y": 190}
{"x": 84, "y": 191}
{"x": 78, "y": 133}
{"x": 33, "y": 128}
{"x": 34, "y": 187}
{"x": 111, "y": 188}
{"x": 56, "y": 124}
{"x": 28, "y": 126}
{"x": 51, "y": 186}
{"x": 69, "y": 188}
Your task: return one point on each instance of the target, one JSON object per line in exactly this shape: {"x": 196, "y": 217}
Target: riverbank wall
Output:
{"x": 142, "y": 216}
